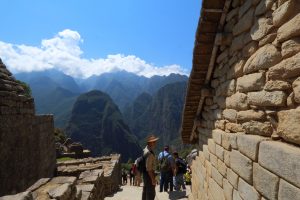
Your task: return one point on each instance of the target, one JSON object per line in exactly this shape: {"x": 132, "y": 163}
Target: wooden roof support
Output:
{"x": 212, "y": 62}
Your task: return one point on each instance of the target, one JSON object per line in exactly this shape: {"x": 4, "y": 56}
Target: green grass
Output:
{"x": 64, "y": 159}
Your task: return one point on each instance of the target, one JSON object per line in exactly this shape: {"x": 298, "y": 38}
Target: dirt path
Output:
{"x": 135, "y": 193}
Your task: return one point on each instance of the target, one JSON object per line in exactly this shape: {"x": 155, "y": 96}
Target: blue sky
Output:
{"x": 157, "y": 36}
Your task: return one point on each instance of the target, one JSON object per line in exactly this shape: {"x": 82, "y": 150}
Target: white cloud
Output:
{"x": 63, "y": 53}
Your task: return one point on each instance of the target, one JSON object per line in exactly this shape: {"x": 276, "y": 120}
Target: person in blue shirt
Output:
{"x": 167, "y": 167}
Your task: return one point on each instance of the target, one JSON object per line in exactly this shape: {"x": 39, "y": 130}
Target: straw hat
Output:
{"x": 151, "y": 138}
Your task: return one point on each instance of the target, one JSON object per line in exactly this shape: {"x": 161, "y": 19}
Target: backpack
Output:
{"x": 182, "y": 167}
{"x": 141, "y": 162}
{"x": 164, "y": 163}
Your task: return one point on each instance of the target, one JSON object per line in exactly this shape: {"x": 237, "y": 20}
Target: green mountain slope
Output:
{"x": 160, "y": 115}
{"x": 97, "y": 123}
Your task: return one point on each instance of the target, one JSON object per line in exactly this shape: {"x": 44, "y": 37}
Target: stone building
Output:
{"x": 27, "y": 150}
{"x": 243, "y": 101}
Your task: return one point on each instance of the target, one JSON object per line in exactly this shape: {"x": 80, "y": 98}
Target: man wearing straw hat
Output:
{"x": 149, "y": 175}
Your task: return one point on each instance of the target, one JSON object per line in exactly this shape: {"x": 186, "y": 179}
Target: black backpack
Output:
{"x": 182, "y": 166}
{"x": 141, "y": 162}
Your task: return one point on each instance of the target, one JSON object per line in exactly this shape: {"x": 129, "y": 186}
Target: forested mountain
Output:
{"x": 98, "y": 124}
{"x": 160, "y": 114}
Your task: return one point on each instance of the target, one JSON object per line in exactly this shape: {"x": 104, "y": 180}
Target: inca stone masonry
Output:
{"x": 243, "y": 101}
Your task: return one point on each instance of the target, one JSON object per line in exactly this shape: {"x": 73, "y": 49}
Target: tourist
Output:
{"x": 138, "y": 178}
{"x": 149, "y": 173}
{"x": 180, "y": 170}
{"x": 166, "y": 165}
{"x": 131, "y": 174}
{"x": 124, "y": 177}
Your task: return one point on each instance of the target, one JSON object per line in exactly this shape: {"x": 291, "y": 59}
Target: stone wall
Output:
{"x": 254, "y": 113}
{"x": 27, "y": 150}
{"x": 81, "y": 179}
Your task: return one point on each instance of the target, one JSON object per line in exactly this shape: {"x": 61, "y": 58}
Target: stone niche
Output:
{"x": 27, "y": 149}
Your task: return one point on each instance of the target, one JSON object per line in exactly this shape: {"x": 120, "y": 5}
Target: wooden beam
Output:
{"x": 212, "y": 10}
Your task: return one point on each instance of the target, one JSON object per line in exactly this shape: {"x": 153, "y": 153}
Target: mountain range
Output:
{"x": 142, "y": 105}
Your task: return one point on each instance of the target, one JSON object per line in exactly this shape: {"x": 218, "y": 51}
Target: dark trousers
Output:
{"x": 148, "y": 189}
{"x": 165, "y": 181}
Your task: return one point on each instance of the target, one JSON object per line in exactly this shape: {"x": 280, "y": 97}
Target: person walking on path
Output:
{"x": 132, "y": 175}
{"x": 149, "y": 173}
{"x": 180, "y": 170}
{"x": 166, "y": 164}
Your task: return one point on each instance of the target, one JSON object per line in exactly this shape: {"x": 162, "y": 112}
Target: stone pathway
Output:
{"x": 135, "y": 193}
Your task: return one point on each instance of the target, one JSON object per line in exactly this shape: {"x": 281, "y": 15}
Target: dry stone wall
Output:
{"x": 249, "y": 132}
{"x": 27, "y": 150}
{"x": 83, "y": 179}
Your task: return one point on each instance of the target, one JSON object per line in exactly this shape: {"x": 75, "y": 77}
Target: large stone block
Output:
{"x": 215, "y": 190}
{"x": 215, "y": 174}
{"x": 265, "y": 182}
{"x": 264, "y": 58}
{"x": 228, "y": 189}
{"x": 236, "y": 195}
{"x": 213, "y": 160}
{"x": 206, "y": 152}
{"x": 288, "y": 68}
{"x": 263, "y": 7}
{"x": 289, "y": 125}
{"x": 20, "y": 196}
{"x": 238, "y": 101}
{"x": 249, "y": 144}
{"x": 290, "y": 47}
{"x": 227, "y": 158}
{"x": 246, "y": 5}
{"x": 236, "y": 70}
{"x": 289, "y": 29}
{"x": 284, "y": 12}
{"x": 229, "y": 141}
{"x": 226, "y": 89}
{"x": 217, "y": 136}
{"x": 296, "y": 89}
{"x": 281, "y": 159}
{"x": 233, "y": 178}
{"x": 288, "y": 191}
{"x": 237, "y": 44}
{"x": 233, "y": 127}
{"x": 251, "y": 82}
{"x": 230, "y": 115}
{"x": 244, "y": 23}
{"x": 258, "y": 128}
{"x": 222, "y": 168}
{"x": 277, "y": 85}
{"x": 220, "y": 152}
{"x": 248, "y": 115}
{"x": 264, "y": 98}
{"x": 241, "y": 165}
{"x": 247, "y": 191}
{"x": 211, "y": 146}
{"x": 261, "y": 28}
{"x": 250, "y": 49}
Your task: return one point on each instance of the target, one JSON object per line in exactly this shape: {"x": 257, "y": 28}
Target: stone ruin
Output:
{"x": 81, "y": 179}
{"x": 28, "y": 155}
{"x": 71, "y": 149}
{"x": 27, "y": 149}
{"x": 242, "y": 105}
